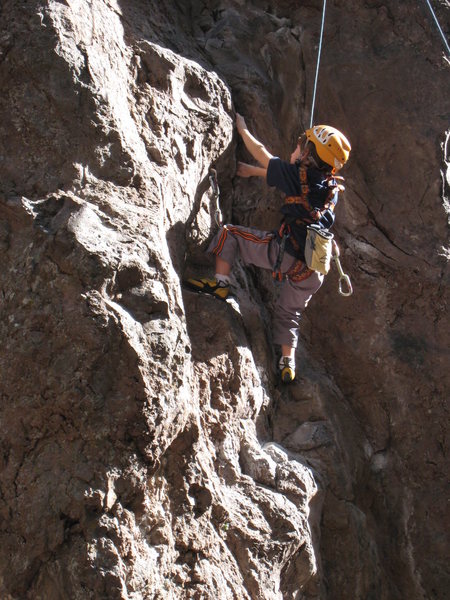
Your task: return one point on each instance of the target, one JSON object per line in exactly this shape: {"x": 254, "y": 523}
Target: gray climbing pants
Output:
{"x": 260, "y": 248}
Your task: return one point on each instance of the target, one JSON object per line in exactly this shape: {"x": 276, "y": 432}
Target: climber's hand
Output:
{"x": 245, "y": 170}
{"x": 240, "y": 123}
{"x": 256, "y": 149}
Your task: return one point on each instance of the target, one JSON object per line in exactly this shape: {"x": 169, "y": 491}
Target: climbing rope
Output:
{"x": 319, "y": 52}
{"x": 318, "y": 62}
{"x": 439, "y": 28}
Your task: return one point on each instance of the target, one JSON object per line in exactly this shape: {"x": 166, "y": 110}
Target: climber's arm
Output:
{"x": 245, "y": 170}
{"x": 255, "y": 147}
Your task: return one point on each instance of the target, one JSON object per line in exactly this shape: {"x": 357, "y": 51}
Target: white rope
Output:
{"x": 318, "y": 62}
{"x": 439, "y": 27}
{"x": 320, "y": 50}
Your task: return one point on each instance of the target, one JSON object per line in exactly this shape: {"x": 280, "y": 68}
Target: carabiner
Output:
{"x": 342, "y": 276}
{"x": 345, "y": 278}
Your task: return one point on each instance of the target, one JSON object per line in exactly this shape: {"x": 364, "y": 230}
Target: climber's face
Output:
{"x": 296, "y": 154}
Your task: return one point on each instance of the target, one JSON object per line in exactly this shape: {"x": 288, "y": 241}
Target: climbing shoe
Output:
{"x": 209, "y": 286}
{"x": 287, "y": 369}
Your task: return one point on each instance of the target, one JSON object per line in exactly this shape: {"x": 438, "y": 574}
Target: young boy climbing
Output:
{"x": 311, "y": 196}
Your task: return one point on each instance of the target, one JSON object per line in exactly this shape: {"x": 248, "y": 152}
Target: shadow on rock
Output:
{"x": 215, "y": 327}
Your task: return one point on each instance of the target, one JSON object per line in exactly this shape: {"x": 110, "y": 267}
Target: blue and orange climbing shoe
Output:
{"x": 209, "y": 286}
{"x": 287, "y": 369}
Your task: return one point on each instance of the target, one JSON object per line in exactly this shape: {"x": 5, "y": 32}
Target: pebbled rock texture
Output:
{"x": 147, "y": 449}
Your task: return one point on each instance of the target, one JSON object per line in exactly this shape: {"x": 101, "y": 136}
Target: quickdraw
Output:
{"x": 216, "y": 193}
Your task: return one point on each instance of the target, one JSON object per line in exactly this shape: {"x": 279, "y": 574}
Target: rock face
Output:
{"x": 147, "y": 449}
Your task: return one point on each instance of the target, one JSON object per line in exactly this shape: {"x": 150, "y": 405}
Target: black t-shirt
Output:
{"x": 285, "y": 177}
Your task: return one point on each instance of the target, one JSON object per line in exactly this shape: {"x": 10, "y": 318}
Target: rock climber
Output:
{"x": 311, "y": 187}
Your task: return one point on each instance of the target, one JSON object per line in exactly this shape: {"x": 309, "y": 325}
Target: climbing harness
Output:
{"x": 301, "y": 208}
{"x": 318, "y": 62}
{"x": 216, "y": 193}
{"x": 344, "y": 280}
{"x": 439, "y": 28}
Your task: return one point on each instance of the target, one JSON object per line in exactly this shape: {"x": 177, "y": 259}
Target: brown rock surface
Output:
{"x": 147, "y": 450}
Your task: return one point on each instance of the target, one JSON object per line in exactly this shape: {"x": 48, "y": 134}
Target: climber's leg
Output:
{"x": 286, "y": 364}
{"x": 293, "y": 299}
{"x": 222, "y": 267}
{"x": 252, "y": 245}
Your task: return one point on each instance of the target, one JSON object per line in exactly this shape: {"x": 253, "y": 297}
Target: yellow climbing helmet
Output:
{"x": 331, "y": 145}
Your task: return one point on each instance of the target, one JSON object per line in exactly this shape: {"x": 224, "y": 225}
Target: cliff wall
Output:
{"x": 147, "y": 448}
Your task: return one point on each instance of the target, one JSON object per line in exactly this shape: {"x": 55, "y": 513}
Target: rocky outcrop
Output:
{"x": 147, "y": 449}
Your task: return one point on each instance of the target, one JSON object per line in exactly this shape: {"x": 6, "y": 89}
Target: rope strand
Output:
{"x": 438, "y": 27}
{"x": 318, "y": 62}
